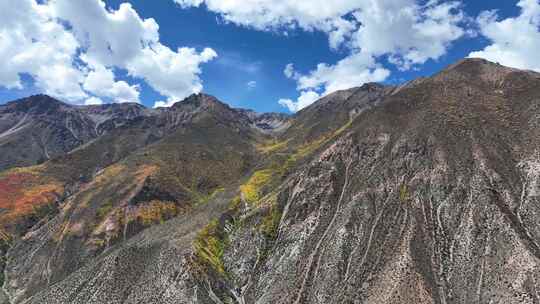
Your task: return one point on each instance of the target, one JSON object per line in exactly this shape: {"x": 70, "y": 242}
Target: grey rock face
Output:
{"x": 269, "y": 123}
{"x": 359, "y": 227}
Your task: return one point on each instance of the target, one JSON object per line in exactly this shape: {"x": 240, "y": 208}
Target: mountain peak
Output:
{"x": 38, "y": 99}
{"x": 198, "y": 100}
{"x": 474, "y": 69}
{"x": 482, "y": 66}
{"x": 371, "y": 87}
{"x": 469, "y": 63}
{"x": 40, "y": 103}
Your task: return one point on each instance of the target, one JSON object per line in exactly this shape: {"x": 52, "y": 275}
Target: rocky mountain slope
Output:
{"x": 39, "y": 128}
{"x": 424, "y": 193}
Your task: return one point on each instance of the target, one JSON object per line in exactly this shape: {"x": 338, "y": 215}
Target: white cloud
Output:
{"x": 60, "y": 80}
{"x": 407, "y": 32}
{"x": 289, "y": 72}
{"x": 31, "y": 42}
{"x": 339, "y": 31}
{"x": 71, "y": 49}
{"x": 251, "y": 85}
{"x": 275, "y": 14}
{"x": 111, "y": 37}
{"x": 167, "y": 103}
{"x": 93, "y": 101}
{"x": 100, "y": 81}
{"x": 515, "y": 42}
{"x": 173, "y": 74}
{"x": 306, "y": 98}
{"x": 352, "y": 71}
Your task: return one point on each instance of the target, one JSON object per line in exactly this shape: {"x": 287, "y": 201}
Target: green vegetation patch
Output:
{"x": 270, "y": 223}
{"x": 209, "y": 247}
{"x": 310, "y": 147}
{"x": 253, "y": 189}
{"x": 202, "y": 199}
{"x": 404, "y": 193}
{"x": 273, "y": 146}
{"x": 104, "y": 209}
{"x": 212, "y": 241}
{"x": 5, "y": 243}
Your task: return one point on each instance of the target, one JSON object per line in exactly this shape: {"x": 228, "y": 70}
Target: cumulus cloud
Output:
{"x": 406, "y": 32}
{"x": 514, "y": 41}
{"x": 352, "y": 71}
{"x": 72, "y": 48}
{"x": 164, "y": 103}
{"x": 306, "y": 98}
{"x": 109, "y": 37}
{"x": 282, "y": 14}
{"x": 31, "y": 42}
{"x": 100, "y": 81}
{"x": 173, "y": 74}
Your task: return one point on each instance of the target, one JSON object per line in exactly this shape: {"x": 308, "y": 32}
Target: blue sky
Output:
{"x": 251, "y": 51}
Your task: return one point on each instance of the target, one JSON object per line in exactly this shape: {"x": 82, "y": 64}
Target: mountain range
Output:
{"x": 425, "y": 192}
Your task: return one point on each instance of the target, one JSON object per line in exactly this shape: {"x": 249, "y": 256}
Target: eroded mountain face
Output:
{"x": 424, "y": 193}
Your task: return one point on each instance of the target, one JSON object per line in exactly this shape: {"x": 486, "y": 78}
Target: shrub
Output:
{"x": 252, "y": 190}
{"x": 210, "y": 246}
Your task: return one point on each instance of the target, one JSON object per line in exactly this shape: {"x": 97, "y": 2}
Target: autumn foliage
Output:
{"x": 23, "y": 191}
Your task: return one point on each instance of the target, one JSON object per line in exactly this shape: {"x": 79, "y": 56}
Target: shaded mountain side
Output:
{"x": 39, "y": 128}
{"x": 423, "y": 193}
{"x": 270, "y": 123}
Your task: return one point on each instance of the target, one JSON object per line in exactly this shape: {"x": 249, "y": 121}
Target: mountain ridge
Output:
{"x": 82, "y": 124}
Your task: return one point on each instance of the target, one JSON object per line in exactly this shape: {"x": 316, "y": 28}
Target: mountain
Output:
{"x": 39, "y": 128}
{"x": 428, "y": 192}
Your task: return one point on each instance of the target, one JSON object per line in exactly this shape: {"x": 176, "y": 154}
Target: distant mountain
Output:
{"x": 427, "y": 192}
{"x": 38, "y": 128}
{"x": 35, "y": 129}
